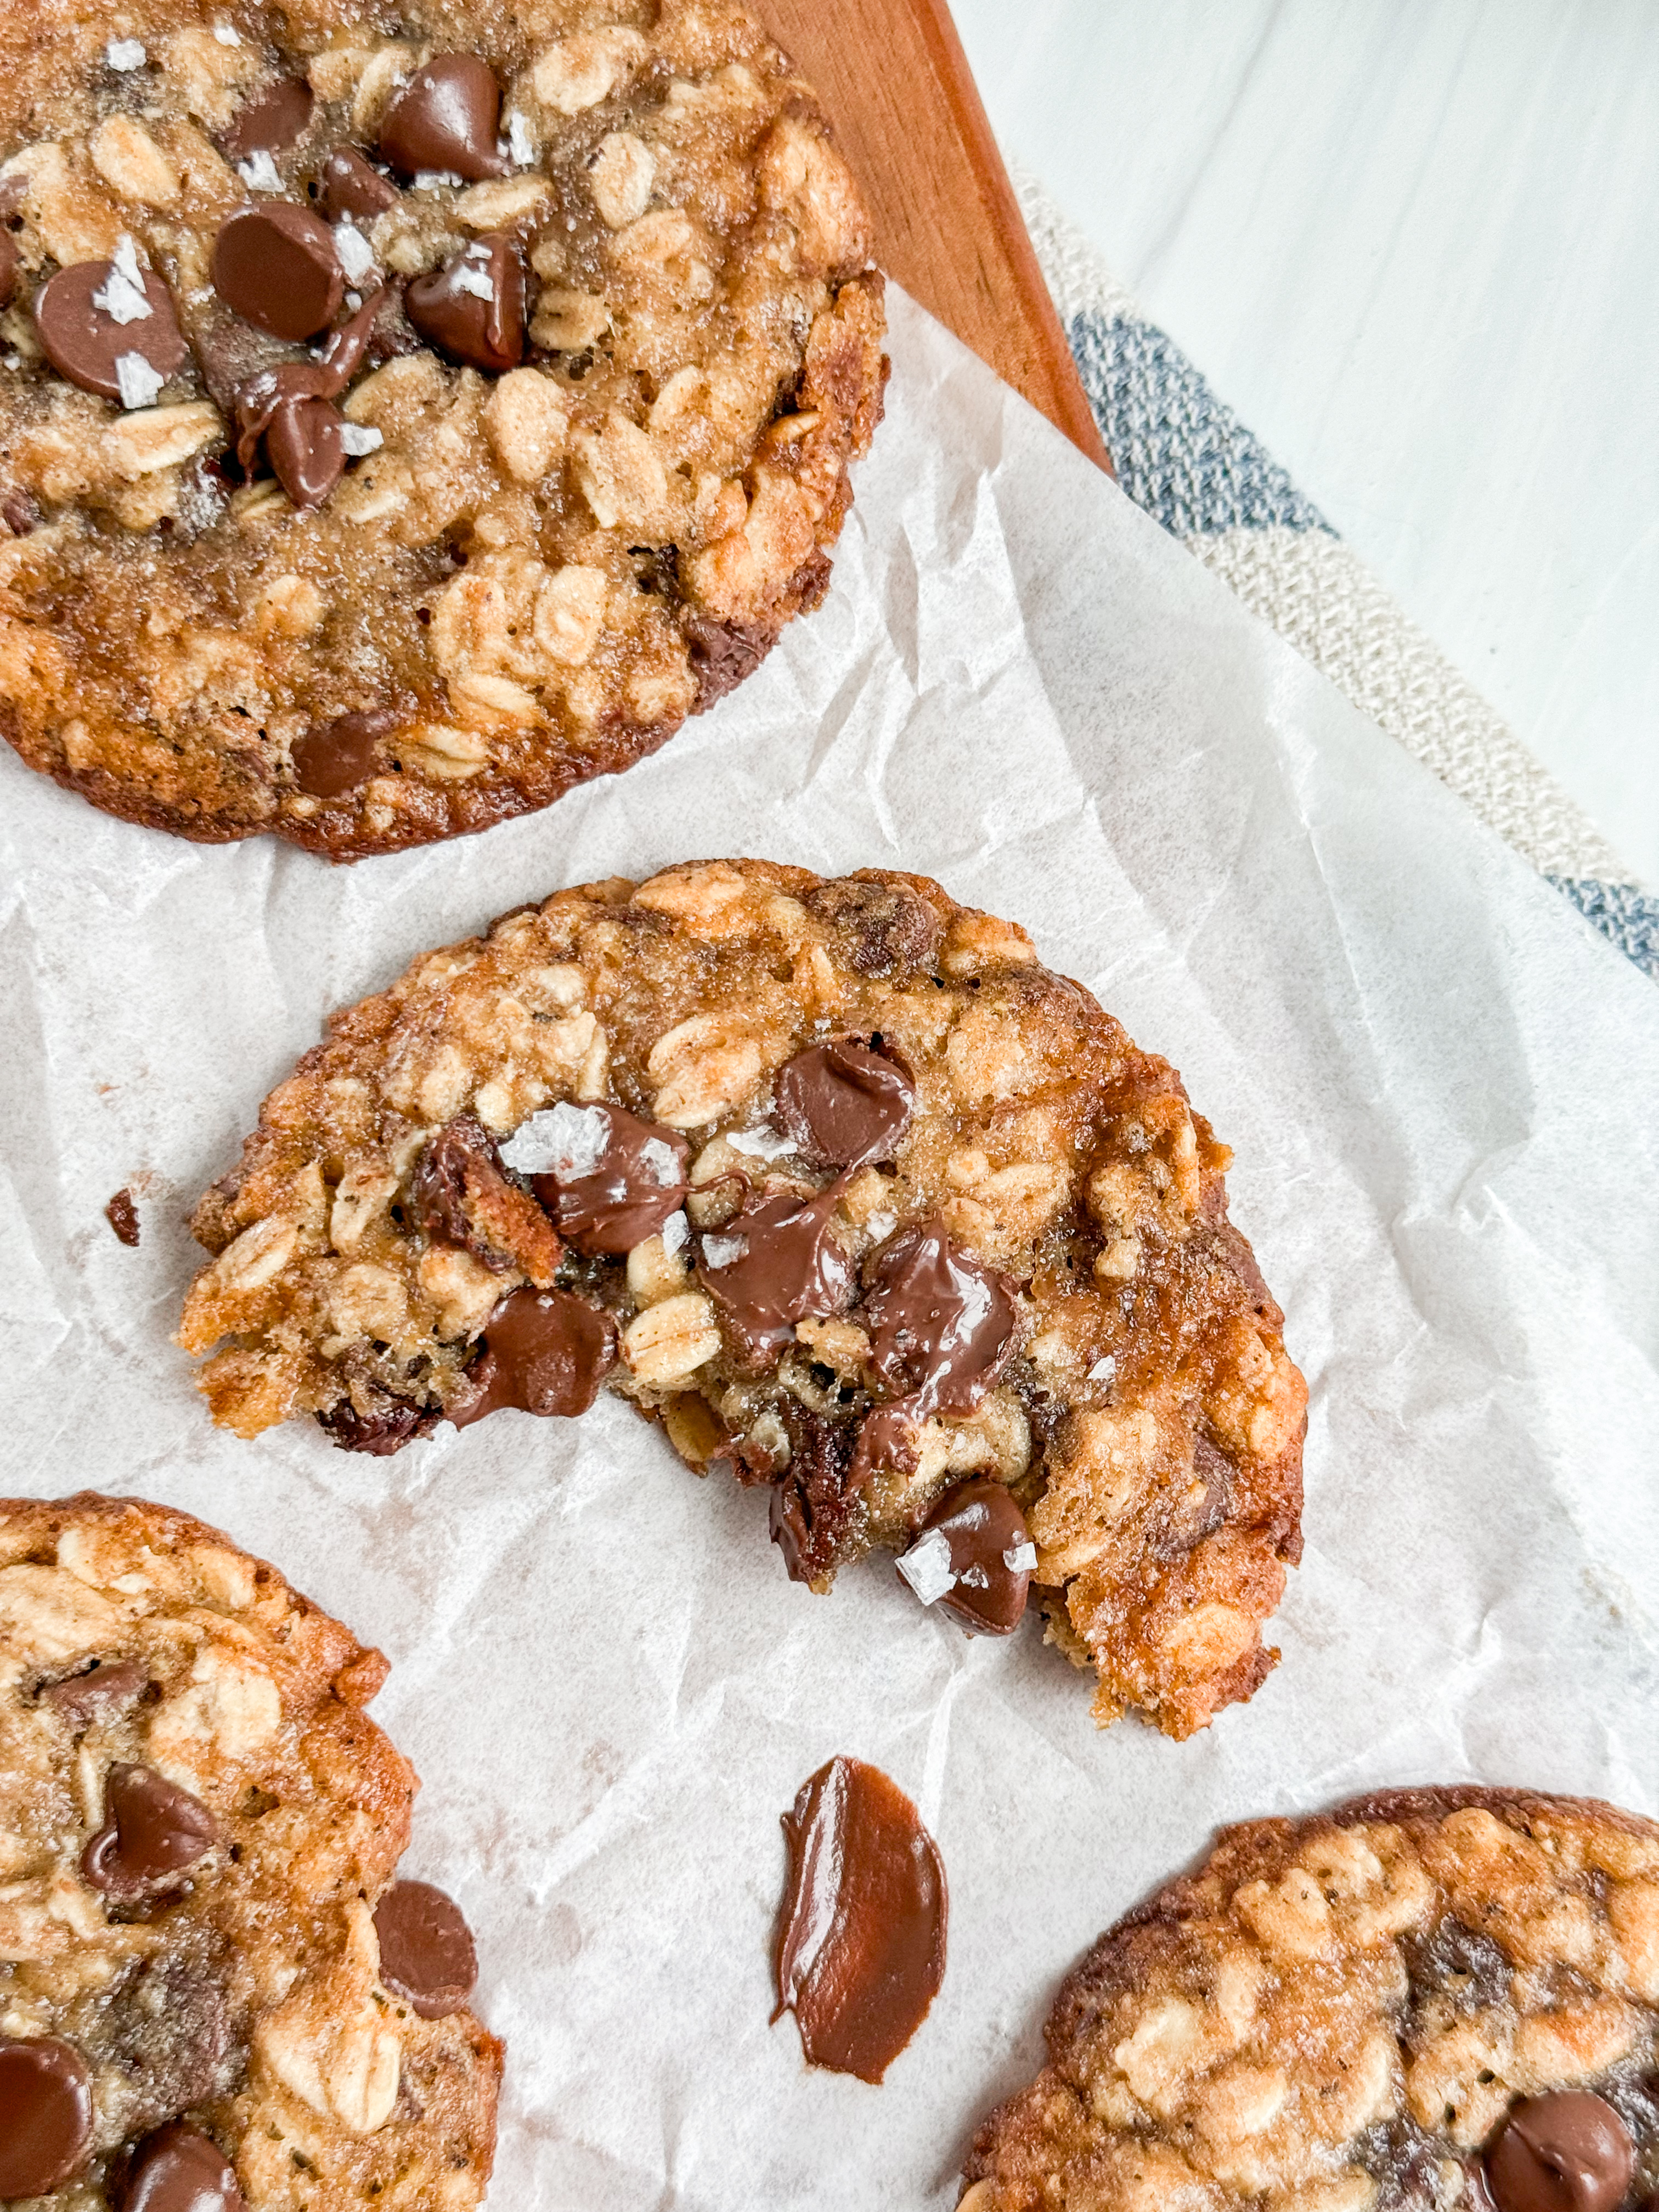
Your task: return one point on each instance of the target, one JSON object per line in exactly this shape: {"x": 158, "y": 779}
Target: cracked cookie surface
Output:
{"x": 401, "y": 421}
{"x": 199, "y": 1823}
{"x": 1426, "y": 1999}
{"x": 834, "y": 1181}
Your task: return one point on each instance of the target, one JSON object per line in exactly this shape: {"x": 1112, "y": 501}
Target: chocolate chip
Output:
{"x": 459, "y": 1193}
{"x": 724, "y": 654}
{"x": 941, "y": 1323}
{"x": 426, "y": 1953}
{"x": 776, "y": 1262}
{"x": 83, "y": 342}
{"x": 386, "y": 1425}
{"x": 444, "y": 118}
{"x": 845, "y": 1105}
{"x": 154, "y": 1833}
{"x": 544, "y": 1351}
{"x": 179, "y": 2169}
{"x": 1566, "y": 2152}
{"x": 122, "y": 1216}
{"x": 19, "y": 510}
{"x": 306, "y": 447}
{"x": 45, "y": 2115}
{"x": 277, "y": 266}
{"x": 8, "y": 260}
{"x": 976, "y": 1536}
{"x": 336, "y": 757}
{"x": 623, "y": 1181}
{"x": 861, "y": 1949}
{"x": 348, "y": 185}
{"x": 270, "y": 121}
{"x": 290, "y": 408}
{"x": 884, "y": 926}
{"x": 813, "y": 1510}
{"x": 1458, "y": 1963}
{"x": 101, "y": 1691}
{"x": 472, "y": 309}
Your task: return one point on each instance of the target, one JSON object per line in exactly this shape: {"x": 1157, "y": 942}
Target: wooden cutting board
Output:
{"x": 895, "y": 83}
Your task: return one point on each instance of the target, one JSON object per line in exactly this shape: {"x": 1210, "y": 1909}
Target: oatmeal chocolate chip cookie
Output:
{"x": 214, "y": 1995}
{"x": 1426, "y": 1999}
{"x": 405, "y": 416}
{"x": 836, "y": 1182}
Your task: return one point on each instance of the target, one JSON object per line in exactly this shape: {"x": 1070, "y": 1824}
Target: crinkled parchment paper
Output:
{"x": 1443, "y": 1093}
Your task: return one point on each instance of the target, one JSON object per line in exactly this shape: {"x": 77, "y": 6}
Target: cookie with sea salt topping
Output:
{"x": 216, "y": 1995}
{"x": 1427, "y": 1999}
{"x": 836, "y": 1182}
{"x": 404, "y": 417}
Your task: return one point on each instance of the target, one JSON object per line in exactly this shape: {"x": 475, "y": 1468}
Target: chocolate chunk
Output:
{"x": 813, "y": 1508}
{"x": 179, "y": 2169}
{"x": 334, "y": 757}
{"x": 1566, "y": 2152}
{"x": 45, "y": 2115}
{"x": 350, "y": 187}
{"x": 426, "y": 1953}
{"x": 724, "y": 654}
{"x": 270, "y": 121}
{"x": 8, "y": 261}
{"x": 544, "y": 1351}
{"x": 168, "y": 2026}
{"x": 122, "y": 1216}
{"x": 616, "y": 1181}
{"x": 776, "y": 1262}
{"x": 472, "y": 309}
{"x": 459, "y": 1194}
{"x": 83, "y": 342}
{"x": 974, "y": 1555}
{"x": 277, "y": 266}
{"x": 385, "y": 1427}
{"x": 846, "y": 1104}
{"x": 446, "y": 118}
{"x": 103, "y": 1691}
{"x": 861, "y": 1950}
{"x": 153, "y": 1833}
{"x": 941, "y": 1324}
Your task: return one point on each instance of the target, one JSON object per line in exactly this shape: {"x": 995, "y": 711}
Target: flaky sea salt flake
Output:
{"x": 259, "y": 172}
{"x": 926, "y": 1567}
{"x": 356, "y": 439}
{"x": 139, "y": 382}
{"x": 563, "y": 1139}
{"x": 126, "y": 54}
{"x": 1020, "y": 1558}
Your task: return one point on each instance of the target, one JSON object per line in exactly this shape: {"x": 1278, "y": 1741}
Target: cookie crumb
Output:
{"x": 122, "y": 1216}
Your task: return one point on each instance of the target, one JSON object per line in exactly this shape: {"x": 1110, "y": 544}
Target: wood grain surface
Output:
{"x": 895, "y": 84}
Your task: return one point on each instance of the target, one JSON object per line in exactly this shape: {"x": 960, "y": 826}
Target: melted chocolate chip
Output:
{"x": 335, "y": 757}
{"x": 637, "y": 1182}
{"x": 270, "y": 121}
{"x": 385, "y": 1427}
{"x": 776, "y": 1262}
{"x": 446, "y": 118}
{"x": 845, "y": 1105}
{"x": 862, "y": 1951}
{"x": 45, "y": 2115}
{"x": 276, "y": 266}
{"x": 813, "y": 1508}
{"x": 426, "y": 1953}
{"x": 350, "y": 187}
{"x": 153, "y": 1832}
{"x": 83, "y": 342}
{"x": 168, "y": 2028}
{"x": 305, "y": 444}
{"x": 1566, "y": 2152}
{"x": 978, "y": 1534}
{"x": 122, "y": 1216}
{"x": 8, "y": 260}
{"x": 941, "y": 1324}
{"x": 20, "y": 510}
{"x": 884, "y": 926}
{"x": 290, "y": 408}
{"x": 1456, "y": 1962}
{"x": 544, "y": 1351}
{"x": 460, "y": 1195}
{"x": 100, "y": 1693}
{"x": 472, "y": 309}
{"x": 179, "y": 2169}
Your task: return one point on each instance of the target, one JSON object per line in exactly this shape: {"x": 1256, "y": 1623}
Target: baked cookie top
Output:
{"x": 199, "y": 1823}
{"x": 1426, "y": 1999}
{"x": 838, "y": 1182}
{"x": 406, "y": 414}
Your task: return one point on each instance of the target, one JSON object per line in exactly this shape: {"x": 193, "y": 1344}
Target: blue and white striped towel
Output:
{"x": 1187, "y": 459}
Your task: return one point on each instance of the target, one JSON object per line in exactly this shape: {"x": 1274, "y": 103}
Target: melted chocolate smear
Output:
{"x": 122, "y": 1216}
{"x": 627, "y": 1197}
{"x": 83, "y": 343}
{"x": 1566, "y": 2152}
{"x": 473, "y": 307}
{"x": 544, "y": 1351}
{"x": 786, "y": 1265}
{"x": 8, "y": 260}
{"x": 179, "y": 2169}
{"x": 271, "y": 120}
{"x": 100, "y": 1693}
{"x": 983, "y": 1531}
{"x": 277, "y": 266}
{"x": 335, "y": 757}
{"x": 813, "y": 1506}
{"x": 45, "y": 2115}
{"x": 845, "y": 1105}
{"x": 153, "y": 1833}
{"x": 349, "y": 186}
{"x": 426, "y": 1953}
{"x": 862, "y": 1951}
{"x": 446, "y": 118}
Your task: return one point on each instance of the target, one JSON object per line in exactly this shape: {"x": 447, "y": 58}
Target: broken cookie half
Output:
{"x": 835, "y": 1181}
